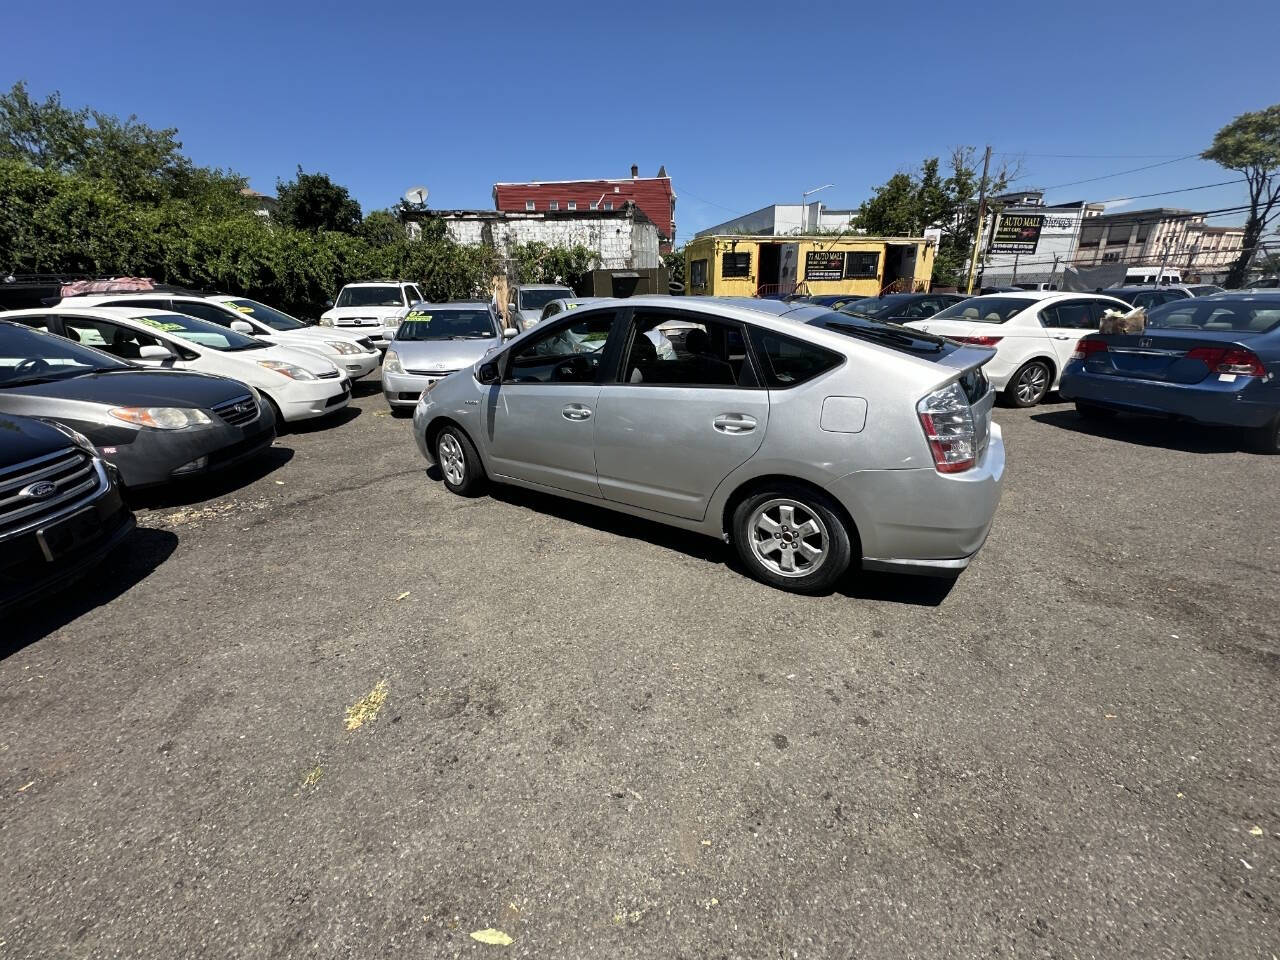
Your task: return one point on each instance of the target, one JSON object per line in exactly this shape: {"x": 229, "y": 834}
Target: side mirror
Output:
{"x": 239, "y": 326}
{"x": 511, "y": 308}
{"x": 328, "y": 304}
{"x": 488, "y": 372}
{"x": 510, "y": 332}
{"x": 153, "y": 352}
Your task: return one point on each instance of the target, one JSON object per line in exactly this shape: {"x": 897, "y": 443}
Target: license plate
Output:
{"x": 66, "y": 535}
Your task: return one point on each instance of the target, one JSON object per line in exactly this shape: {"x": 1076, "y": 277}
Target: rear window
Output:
{"x": 985, "y": 309}
{"x": 882, "y": 332}
{"x": 1239, "y": 316}
{"x": 786, "y": 362}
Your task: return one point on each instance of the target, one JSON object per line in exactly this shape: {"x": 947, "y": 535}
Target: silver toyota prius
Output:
{"x": 810, "y": 440}
{"x": 433, "y": 341}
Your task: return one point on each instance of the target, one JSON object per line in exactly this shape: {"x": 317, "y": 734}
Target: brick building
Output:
{"x": 653, "y": 196}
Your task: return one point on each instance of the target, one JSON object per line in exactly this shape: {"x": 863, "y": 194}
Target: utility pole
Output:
{"x": 982, "y": 215}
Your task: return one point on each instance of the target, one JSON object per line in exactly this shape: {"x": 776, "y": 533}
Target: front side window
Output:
{"x": 984, "y": 309}
{"x": 123, "y": 342}
{"x": 735, "y": 265}
{"x": 700, "y": 352}
{"x": 193, "y": 330}
{"x": 412, "y": 295}
{"x": 376, "y": 296}
{"x": 273, "y": 318}
{"x": 447, "y": 324}
{"x": 27, "y": 355}
{"x": 787, "y": 362}
{"x": 571, "y": 353}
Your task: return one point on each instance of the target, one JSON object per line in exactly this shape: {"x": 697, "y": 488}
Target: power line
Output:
{"x": 1119, "y": 173}
{"x": 1165, "y": 193}
{"x": 1088, "y": 156}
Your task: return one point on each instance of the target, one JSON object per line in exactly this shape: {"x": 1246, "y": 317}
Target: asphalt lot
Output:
{"x": 601, "y": 739}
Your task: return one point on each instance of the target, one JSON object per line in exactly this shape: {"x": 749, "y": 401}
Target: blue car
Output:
{"x": 1212, "y": 360}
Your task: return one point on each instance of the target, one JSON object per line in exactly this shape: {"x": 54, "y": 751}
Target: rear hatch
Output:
{"x": 1173, "y": 356}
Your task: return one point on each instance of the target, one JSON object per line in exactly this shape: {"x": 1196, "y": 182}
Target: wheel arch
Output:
{"x": 773, "y": 480}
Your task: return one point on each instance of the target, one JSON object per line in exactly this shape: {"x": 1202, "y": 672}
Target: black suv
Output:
{"x": 60, "y": 508}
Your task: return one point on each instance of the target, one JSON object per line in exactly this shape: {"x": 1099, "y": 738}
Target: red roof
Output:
{"x": 652, "y": 195}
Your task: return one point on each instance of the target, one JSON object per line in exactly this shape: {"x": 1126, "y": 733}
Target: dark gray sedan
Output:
{"x": 154, "y": 425}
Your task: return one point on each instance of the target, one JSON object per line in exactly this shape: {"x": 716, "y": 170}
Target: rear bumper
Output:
{"x": 1242, "y": 402}
{"x": 921, "y": 521}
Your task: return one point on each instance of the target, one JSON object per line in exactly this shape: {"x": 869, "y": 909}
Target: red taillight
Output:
{"x": 1235, "y": 360}
{"x": 978, "y": 341}
{"x": 948, "y": 425}
{"x": 1086, "y": 347}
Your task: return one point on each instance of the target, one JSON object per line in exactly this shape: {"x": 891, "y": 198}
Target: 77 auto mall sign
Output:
{"x": 1017, "y": 233}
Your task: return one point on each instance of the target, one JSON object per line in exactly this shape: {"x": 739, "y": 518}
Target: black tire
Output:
{"x": 1267, "y": 439}
{"x": 831, "y": 537}
{"x": 1038, "y": 379}
{"x": 1089, "y": 411}
{"x": 459, "y": 463}
{"x": 281, "y": 426}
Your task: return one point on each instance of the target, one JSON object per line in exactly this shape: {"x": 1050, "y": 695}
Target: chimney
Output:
{"x": 635, "y": 171}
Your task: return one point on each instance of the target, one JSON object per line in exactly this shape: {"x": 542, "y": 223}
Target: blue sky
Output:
{"x": 745, "y": 103}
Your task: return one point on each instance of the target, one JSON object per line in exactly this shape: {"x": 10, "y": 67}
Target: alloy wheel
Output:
{"x": 452, "y": 463}
{"x": 1033, "y": 383}
{"x": 788, "y": 538}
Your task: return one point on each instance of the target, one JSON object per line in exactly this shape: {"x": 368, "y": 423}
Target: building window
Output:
{"x": 608, "y": 205}
{"x": 861, "y": 266}
{"x": 1144, "y": 231}
{"x": 698, "y": 274}
{"x": 1090, "y": 236}
{"x": 1118, "y": 236}
{"x": 571, "y": 205}
{"x": 595, "y": 205}
{"x": 1110, "y": 257}
{"x": 529, "y": 205}
{"x": 735, "y": 265}
{"x": 554, "y": 205}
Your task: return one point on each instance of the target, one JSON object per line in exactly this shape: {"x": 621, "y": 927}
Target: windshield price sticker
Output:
{"x": 160, "y": 324}
{"x": 243, "y": 308}
{"x": 414, "y": 315}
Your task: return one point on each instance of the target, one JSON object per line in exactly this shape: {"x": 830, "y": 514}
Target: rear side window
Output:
{"x": 985, "y": 309}
{"x": 786, "y": 362}
{"x": 1070, "y": 315}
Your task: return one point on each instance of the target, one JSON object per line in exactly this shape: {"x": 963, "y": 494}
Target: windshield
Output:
{"x": 29, "y": 355}
{"x": 388, "y": 296}
{"x": 447, "y": 325}
{"x": 272, "y": 317}
{"x": 878, "y": 308}
{"x": 537, "y": 299}
{"x": 202, "y": 332}
{"x": 984, "y": 309}
{"x": 1252, "y": 315}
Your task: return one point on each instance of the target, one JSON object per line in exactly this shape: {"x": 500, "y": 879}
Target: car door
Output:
{"x": 675, "y": 421}
{"x": 1065, "y": 322}
{"x": 540, "y": 419}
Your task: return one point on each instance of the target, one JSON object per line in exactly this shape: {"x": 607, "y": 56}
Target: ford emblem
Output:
{"x": 41, "y": 490}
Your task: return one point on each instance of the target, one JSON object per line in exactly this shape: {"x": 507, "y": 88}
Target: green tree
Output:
{"x": 1250, "y": 144}
{"x": 313, "y": 202}
{"x": 674, "y": 262}
{"x": 538, "y": 262}
{"x": 893, "y": 210}
{"x": 381, "y": 227}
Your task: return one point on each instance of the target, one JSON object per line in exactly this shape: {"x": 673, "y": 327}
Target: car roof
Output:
{"x": 375, "y": 283}
{"x": 541, "y": 286}
{"x": 110, "y": 313}
{"x": 458, "y": 304}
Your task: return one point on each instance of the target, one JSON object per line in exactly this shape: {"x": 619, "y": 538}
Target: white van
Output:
{"x": 1136, "y": 276}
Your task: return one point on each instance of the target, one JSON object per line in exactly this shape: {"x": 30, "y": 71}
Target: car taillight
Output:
{"x": 978, "y": 341}
{"x": 947, "y": 419}
{"x": 1229, "y": 360}
{"x": 1086, "y": 347}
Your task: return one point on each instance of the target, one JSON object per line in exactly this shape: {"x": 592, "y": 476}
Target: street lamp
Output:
{"x": 804, "y": 203}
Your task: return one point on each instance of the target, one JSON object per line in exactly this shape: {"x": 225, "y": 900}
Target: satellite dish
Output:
{"x": 416, "y": 196}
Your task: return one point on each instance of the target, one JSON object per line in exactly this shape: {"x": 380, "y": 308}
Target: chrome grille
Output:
{"x": 327, "y": 376}
{"x": 72, "y": 473}
{"x": 239, "y": 411}
{"x": 439, "y": 374}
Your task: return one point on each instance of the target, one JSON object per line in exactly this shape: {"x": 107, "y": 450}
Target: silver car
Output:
{"x": 811, "y": 440}
{"x": 432, "y": 342}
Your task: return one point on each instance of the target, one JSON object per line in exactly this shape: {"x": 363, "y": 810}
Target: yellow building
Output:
{"x": 731, "y": 265}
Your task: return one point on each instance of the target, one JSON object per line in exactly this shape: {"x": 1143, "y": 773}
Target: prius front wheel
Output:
{"x": 792, "y": 539}
{"x": 459, "y": 463}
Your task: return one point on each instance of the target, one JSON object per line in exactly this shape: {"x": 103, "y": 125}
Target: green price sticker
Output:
{"x": 414, "y": 315}
{"x": 160, "y": 324}
{"x": 242, "y": 308}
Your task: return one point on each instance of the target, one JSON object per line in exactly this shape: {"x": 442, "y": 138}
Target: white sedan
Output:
{"x": 299, "y": 385}
{"x": 1033, "y": 333}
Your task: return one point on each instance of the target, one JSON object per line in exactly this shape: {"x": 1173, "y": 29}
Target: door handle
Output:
{"x": 1063, "y": 336}
{"x": 576, "y": 411}
{"x": 734, "y": 423}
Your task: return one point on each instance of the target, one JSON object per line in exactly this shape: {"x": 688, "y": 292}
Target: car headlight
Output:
{"x": 391, "y": 363}
{"x": 290, "y": 370}
{"x": 161, "y": 418}
{"x": 75, "y": 436}
{"x": 326, "y": 321}
{"x": 343, "y": 347}
{"x": 395, "y": 320}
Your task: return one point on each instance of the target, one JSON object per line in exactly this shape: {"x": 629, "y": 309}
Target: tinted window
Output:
{"x": 699, "y": 353}
{"x": 222, "y": 316}
{"x": 28, "y": 355}
{"x": 985, "y": 309}
{"x": 1070, "y": 314}
{"x": 786, "y": 362}
{"x": 882, "y": 332}
{"x": 570, "y": 353}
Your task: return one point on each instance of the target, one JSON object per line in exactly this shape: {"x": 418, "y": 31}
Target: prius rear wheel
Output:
{"x": 793, "y": 539}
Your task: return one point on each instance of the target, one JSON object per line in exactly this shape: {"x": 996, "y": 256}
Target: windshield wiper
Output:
{"x": 471, "y": 336}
